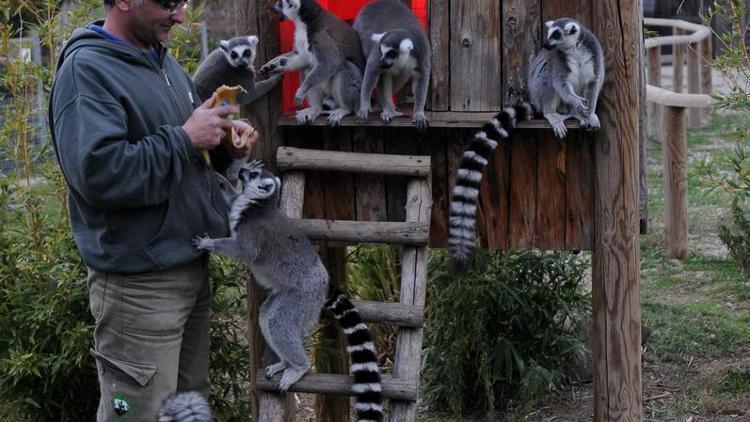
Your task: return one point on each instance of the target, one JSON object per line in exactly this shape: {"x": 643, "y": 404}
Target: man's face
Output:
{"x": 151, "y": 21}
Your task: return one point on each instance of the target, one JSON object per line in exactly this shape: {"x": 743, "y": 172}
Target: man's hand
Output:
{"x": 244, "y": 136}
{"x": 206, "y": 125}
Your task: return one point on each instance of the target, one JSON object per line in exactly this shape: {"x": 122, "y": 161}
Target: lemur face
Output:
{"x": 394, "y": 48}
{"x": 258, "y": 182}
{"x": 562, "y": 33}
{"x": 240, "y": 51}
{"x": 289, "y": 9}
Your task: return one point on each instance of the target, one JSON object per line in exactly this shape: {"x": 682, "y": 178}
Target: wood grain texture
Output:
{"x": 494, "y": 194}
{"x": 390, "y": 313}
{"x": 521, "y": 36}
{"x": 475, "y": 62}
{"x": 440, "y": 35}
{"x": 381, "y": 232}
{"x": 393, "y": 388}
{"x": 335, "y": 159}
{"x": 579, "y": 195}
{"x": 551, "y": 175}
{"x": 408, "y": 356}
{"x": 678, "y": 63}
{"x": 370, "y": 201}
{"x": 616, "y": 258}
{"x": 694, "y": 83}
{"x": 642, "y": 145}
{"x": 523, "y": 190}
{"x": 675, "y": 167}
{"x": 654, "y": 78}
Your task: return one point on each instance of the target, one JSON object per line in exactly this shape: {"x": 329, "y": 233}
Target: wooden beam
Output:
{"x": 665, "y": 97}
{"x": 694, "y": 83}
{"x": 616, "y": 257}
{"x": 397, "y": 314}
{"x": 654, "y": 79}
{"x": 678, "y": 63}
{"x": 393, "y": 388}
{"x": 438, "y": 119}
{"x": 409, "y": 233}
{"x": 289, "y": 158}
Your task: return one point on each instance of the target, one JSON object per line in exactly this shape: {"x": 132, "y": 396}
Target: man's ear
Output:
{"x": 123, "y": 5}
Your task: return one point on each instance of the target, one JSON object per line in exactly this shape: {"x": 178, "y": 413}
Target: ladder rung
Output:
{"x": 413, "y": 233}
{"x": 397, "y": 314}
{"x": 393, "y": 388}
{"x": 288, "y": 158}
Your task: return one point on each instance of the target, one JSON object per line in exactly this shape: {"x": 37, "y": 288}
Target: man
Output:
{"x": 129, "y": 131}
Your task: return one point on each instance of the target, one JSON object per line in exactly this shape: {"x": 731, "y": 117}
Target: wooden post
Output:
{"x": 642, "y": 145}
{"x": 256, "y": 17}
{"x": 706, "y": 60}
{"x": 675, "y": 182}
{"x": 694, "y": 83}
{"x": 616, "y": 257}
{"x": 678, "y": 63}
{"x": 654, "y": 78}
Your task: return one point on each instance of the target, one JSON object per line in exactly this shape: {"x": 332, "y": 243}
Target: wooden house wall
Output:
{"x": 537, "y": 192}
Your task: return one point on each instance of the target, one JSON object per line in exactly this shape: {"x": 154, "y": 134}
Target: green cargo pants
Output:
{"x": 151, "y": 338}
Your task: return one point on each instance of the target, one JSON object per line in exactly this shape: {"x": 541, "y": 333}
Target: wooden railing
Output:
{"x": 669, "y": 112}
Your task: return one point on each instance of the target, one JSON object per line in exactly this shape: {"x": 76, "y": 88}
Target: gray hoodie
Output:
{"x": 138, "y": 190}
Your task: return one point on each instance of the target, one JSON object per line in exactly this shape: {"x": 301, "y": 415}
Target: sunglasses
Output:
{"x": 172, "y": 6}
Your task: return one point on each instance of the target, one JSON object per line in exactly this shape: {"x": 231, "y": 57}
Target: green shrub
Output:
{"x": 736, "y": 236}
{"x": 501, "y": 331}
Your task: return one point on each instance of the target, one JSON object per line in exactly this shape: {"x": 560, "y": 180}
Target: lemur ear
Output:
{"x": 377, "y": 37}
{"x": 224, "y": 44}
{"x": 406, "y": 46}
{"x": 252, "y": 40}
{"x": 549, "y": 24}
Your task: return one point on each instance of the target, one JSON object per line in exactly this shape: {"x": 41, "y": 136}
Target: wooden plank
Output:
{"x": 390, "y": 313}
{"x": 522, "y": 213}
{"x": 494, "y": 192}
{"x": 555, "y": 9}
{"x": 441, "y": 189}
{"x": 413, "y": 292}
{"x": 254, "y": 17}
{"x": 642, "y": 145}
{"x": 393, "y": 388}
{"x": 616, "y": 259}
{"x": 402, "y": 142}
{"x": 675, "y": 167}
{"x": 654, "y": 79}
{"x": 370, "y": 189}
{"x": 396, "y": 232}
{"x": 475, "y": 62}
{"x": 579, "y": 230}
{"x": 549, "y": 227}
{"x": 336, "y": 160}
{"x": 438, "y": 119}
{"x": 521, "y": 37}
{"x": 439, "y": 33}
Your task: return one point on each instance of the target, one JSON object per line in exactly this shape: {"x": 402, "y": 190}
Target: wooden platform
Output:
{"x": 438, "y": 119}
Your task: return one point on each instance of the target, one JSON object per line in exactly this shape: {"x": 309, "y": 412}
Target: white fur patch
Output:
{"x": 549, "y": 23}
{"x": 473, "y": 156}
{"x": 406, "y": 45}
{"x": 463, "y": 208}
{"x": 368, "y": 406}
{"x": 366, "y": 367}
{"x": 482, "y": 135}
{"x": 252, "y": 40}
{"x": 364, "y": 388}
{"x": 471, "y": 175}
{"x": 364, "y": 346}
{"x": 377, "y": 37}
{"x": 358, "y": 327}
{"x": 467, "y": 192}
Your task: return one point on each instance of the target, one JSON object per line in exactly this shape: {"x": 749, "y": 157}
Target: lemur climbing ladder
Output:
{"x": 402, "y": 386}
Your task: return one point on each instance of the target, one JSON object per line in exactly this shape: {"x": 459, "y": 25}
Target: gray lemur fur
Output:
{"x": 328, "y": 53}
{"x": 397, "y": 49}
{"x": 285, "y": 263}
{"x": 185, "y": 406}
{"x": 232, "y": 64}
{"x": 566, "y": 76}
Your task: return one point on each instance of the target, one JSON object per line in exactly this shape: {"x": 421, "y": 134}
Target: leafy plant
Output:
{"x": 501, "y": 331}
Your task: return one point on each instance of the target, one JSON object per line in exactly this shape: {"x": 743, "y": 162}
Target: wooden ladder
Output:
{"x": 402, "y": 387}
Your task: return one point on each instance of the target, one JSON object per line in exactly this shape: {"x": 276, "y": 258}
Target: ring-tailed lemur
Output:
{"x": 328, "y": 53}
{"x": 188, "y": 406}
{"x": 284, "y": 261}
{"x": 232, "y": 64}
{"x": 397, "y": 50}
{"x": 565, "y": 79}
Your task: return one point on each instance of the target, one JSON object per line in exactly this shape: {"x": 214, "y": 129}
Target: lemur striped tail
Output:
{"x": 187, "y": 406}
{"x": 364, "y": 363}
{"x": 465, "y": 198}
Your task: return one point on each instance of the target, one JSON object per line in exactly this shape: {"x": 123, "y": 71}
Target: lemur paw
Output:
{"x": 203, "y": 242}
{"x": 291, "y": 376}
{"x": 299, "y": 98}
{"x": 335, "y": 116}
{"x": 582, "y": 107}
{"x": 558, "y": 125}
{"x": 307, "y": 115}
{"x": 420, "y": 120}
{"x": 272, "y": 370}
{"x": 363, "y": 115}
{"x": 276, "y": 66}
{"x": 592, "y": 123}
{"x": 387, "y": 115}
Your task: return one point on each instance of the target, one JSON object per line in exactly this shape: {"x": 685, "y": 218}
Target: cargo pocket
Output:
{"x": 138, "y": 373}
